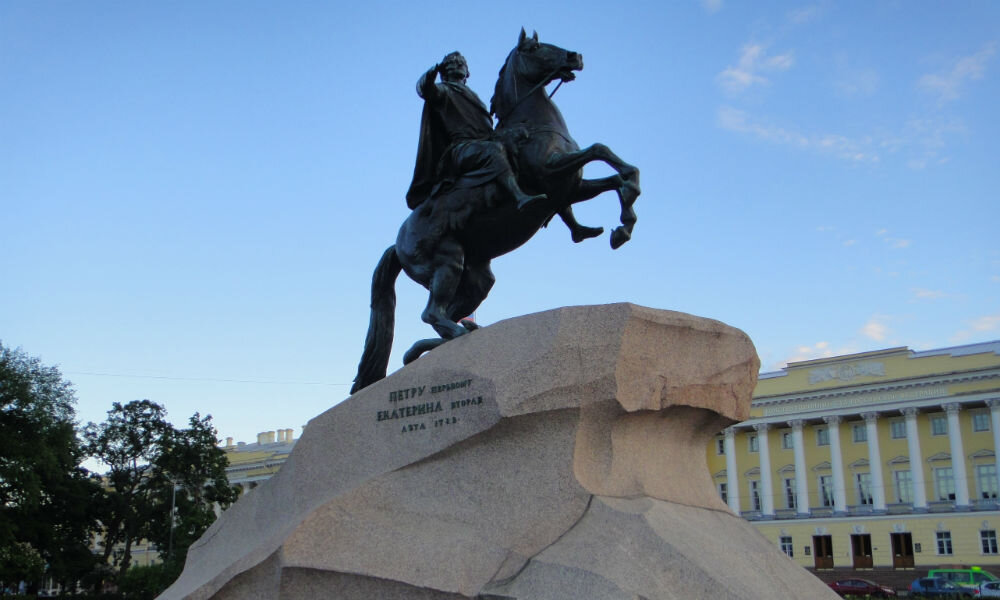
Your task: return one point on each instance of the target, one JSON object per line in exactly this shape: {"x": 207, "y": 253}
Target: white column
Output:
{"x": 837, "y": 466}
{"x": 764, "y": 451}
{"x": 994, "y": 404}
{"x": 875, "y": 461}
{"x": 801, "y": 483}
{"x": 957, "y": 456}
{"x": 916, "y": 460}
{"x": 732, "y": 475}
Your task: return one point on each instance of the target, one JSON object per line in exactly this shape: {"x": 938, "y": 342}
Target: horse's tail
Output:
{"x": 378, "y": 343}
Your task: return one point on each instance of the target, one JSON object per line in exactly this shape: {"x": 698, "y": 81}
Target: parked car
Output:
{"x": 989, "y": 589}
{"x": 939, "y": 587}
{"x": 862, "y": 587}
{"x": 969, "y": 577}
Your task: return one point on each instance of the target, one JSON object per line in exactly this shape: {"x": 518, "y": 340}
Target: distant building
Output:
{"x": 882, "y": 459}
{"x": 249, "y": 464}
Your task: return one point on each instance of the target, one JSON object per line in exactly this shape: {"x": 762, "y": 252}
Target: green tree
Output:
{"x": 191, "y": 472}
{"x": 46, "y": 497}
{"x": 163, "y": 485}
{"x": 129, "y": 442}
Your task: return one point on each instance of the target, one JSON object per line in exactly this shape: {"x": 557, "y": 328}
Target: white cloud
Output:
{"x": 925, "y": 294}
{"x": 850, "y": 242}
{"x": 987, "y": 323}
{"x": 803, "y": 15}
{"x": 881, "y": 232}
{"x": 854, "y": 150}
{"x": 875, "y": 329}
{"x": 711, "y": 6}
{"x": 857, "y": 82}
{"x": 898, "y": 242}
{"x": 948, "y": 86}
{"x": 977, "y": 326}
{"x": 817, "y": 350}
{"x": 811, "y": 352}
{"x": 751, "y": 67}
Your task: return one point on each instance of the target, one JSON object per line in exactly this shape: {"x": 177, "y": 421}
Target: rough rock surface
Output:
{"x": 556, "y": 455}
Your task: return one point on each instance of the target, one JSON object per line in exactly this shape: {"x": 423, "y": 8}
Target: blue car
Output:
{"x": 939, "y": 587}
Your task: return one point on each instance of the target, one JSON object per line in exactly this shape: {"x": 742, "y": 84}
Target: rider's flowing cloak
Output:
{"x": 457, "y": 123}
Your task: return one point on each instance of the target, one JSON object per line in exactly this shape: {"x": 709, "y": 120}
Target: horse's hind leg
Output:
{"x": 443, "y": 284}
{"x": 471, "y": 286}
{"x": 477, "y": 280}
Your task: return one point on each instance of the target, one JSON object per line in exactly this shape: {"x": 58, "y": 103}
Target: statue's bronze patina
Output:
{"x": 478, "y": 193}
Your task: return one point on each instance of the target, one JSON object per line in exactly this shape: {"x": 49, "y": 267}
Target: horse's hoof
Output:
{"x": 469, "y": 324}
{"x": 585, "y": 233}
{"x": 619, "y": 236}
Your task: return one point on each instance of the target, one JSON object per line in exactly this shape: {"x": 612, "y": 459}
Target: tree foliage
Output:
{"x": 156, "y": 471}
{"x": 128, "y": 442}
{"x": 191, "y": 468}
{"x": 46, "y": 497}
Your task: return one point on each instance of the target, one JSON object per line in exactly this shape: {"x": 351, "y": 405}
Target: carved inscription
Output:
{"x": 413, "y": 412}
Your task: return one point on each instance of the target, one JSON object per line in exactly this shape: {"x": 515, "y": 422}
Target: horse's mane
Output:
{"x": 497, "y": 102}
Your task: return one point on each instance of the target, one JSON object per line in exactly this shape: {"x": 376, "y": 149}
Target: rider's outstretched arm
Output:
{"x": 427, "y": 86}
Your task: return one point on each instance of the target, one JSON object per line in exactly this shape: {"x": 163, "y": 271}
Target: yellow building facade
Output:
{"x": 883, "y": 459}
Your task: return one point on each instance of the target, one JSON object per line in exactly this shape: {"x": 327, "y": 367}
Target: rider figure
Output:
{"x": 456, "y": 149}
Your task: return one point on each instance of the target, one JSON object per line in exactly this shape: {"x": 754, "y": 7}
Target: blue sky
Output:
{"x": 193, "y": 195}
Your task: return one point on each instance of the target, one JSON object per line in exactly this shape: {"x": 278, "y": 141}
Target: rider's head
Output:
{"x": 454, "y": 68}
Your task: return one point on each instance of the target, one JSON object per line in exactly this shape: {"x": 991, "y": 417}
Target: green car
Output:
{"x": 970, "y": 578}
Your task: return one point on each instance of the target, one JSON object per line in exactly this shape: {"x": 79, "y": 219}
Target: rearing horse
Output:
{"x": 447, "y": 243}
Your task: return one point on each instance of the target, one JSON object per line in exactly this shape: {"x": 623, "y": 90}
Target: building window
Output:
{"x": 980, "y": 421}
{"x": 787, "y": 441}
{"x": 860, "y": 433}
{"x": 904, "y": 486}
{"x": 939, "y": 425}
{"x": 755, "y": 494}
{"x": 789, "y": 492}
{"x": 822, "y": 436}
{"x": 722, "y": 492}
{"x": 785, "y": 542}
{"x": 826, "y": 489}
{"x": 864, "y": 487}
{"x": 944, "y": 483}
{"x": 720, "y": 446}
{"x": 752, "y": 443}
{"x": 944, "y": 542}
{"x": 988, "y": 538}
{"x": 897, "y": 429}
{"x": 986, "y": 481}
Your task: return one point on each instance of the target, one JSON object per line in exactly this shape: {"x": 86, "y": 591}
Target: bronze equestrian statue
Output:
{"x": 478, "y": 193}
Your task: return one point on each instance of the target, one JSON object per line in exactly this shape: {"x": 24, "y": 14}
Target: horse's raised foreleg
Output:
{"x": 627, "y": 183}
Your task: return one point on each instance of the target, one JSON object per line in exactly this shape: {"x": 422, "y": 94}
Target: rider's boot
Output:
{"x": 579, "y": 232}
{"x": 521, "y": 199}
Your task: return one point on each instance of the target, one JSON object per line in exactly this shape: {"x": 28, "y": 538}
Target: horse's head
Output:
{"x": 529, "y": 67}
{"x": 542, "y": 63}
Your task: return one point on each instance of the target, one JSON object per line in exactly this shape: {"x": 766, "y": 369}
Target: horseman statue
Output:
{"x": 479, "y": 192}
